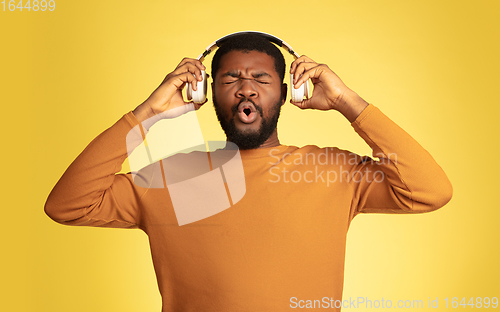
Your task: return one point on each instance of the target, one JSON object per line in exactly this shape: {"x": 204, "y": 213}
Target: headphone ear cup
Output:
{"x": 299, "y": 94}
{"x": 200, "y": 95}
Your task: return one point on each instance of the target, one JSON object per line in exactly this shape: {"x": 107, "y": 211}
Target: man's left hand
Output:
{"x": 329, "y": 90}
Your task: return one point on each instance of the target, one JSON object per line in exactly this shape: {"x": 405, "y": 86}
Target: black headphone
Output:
{"x": 200, "y": 95}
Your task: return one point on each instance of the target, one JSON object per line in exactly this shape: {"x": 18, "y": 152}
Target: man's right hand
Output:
{"x": 168, "y": 95}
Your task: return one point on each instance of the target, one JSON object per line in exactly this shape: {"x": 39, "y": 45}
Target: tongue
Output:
{"x": 247, "y": 112}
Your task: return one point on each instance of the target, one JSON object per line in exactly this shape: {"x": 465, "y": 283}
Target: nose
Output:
{"x": 246, "y": 89}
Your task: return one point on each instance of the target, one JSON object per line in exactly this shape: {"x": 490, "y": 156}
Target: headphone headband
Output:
{"x": 200, "y": 95}
{"x": 217, "y": 43}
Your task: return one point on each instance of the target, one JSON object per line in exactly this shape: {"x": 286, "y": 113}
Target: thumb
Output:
{"x": 306, "y": 103}
{"x": 197, "y": 105}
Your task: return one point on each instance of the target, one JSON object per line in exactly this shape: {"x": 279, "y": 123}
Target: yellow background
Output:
{"x": 431, "y": 66}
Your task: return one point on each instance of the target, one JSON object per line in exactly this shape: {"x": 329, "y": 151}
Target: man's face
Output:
{"x": 247, "y": 96}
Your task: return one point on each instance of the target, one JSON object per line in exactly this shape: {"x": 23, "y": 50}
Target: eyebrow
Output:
{"x": 236, "y": 74}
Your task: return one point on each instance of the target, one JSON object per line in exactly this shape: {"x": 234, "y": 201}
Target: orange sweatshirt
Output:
{"x": 284, "y": 241}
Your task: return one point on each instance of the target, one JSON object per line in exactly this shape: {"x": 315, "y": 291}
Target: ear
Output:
{"x": 284, "y": 89}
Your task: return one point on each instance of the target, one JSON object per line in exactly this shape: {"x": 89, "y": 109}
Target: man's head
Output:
{"x": 250, "y": 42}
{"x": 248, "y": 90}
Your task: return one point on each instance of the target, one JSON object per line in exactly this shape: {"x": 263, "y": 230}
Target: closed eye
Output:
{"x": 258, "y": 81}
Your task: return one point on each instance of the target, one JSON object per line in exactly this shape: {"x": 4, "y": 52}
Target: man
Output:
{"x": 283, "y": 243}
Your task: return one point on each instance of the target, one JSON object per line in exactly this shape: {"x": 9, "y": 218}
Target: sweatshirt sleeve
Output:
{"x": 90, "y": 193}
{"x": 405, "y": 179}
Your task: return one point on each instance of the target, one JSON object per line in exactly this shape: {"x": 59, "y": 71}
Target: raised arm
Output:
{"x": 405, "y": 179}
{"x": 90, "y": 192}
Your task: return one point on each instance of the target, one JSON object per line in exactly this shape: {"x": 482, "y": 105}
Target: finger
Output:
{"x": 310, "y": 73}
{"x": 301, "y": 68}
{"x": 196, "y": 62}
{"x": 189, "y": 67}
{"x": 301, "y": 59}
{"x": 179, "y": 81}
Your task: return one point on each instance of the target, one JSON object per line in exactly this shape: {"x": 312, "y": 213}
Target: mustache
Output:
{"x": 234, "y": 109}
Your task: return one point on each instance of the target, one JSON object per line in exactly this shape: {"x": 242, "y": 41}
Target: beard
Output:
{"x": 248, "y": 139}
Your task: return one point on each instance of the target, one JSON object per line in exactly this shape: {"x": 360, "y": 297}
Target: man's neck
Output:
{"x": 272, "y": 141}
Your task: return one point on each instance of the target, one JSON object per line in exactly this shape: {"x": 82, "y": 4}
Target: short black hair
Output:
{"x": 247, "y": 43}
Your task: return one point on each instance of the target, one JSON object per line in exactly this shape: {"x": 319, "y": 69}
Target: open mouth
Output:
{"x": 247, "y": 112}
